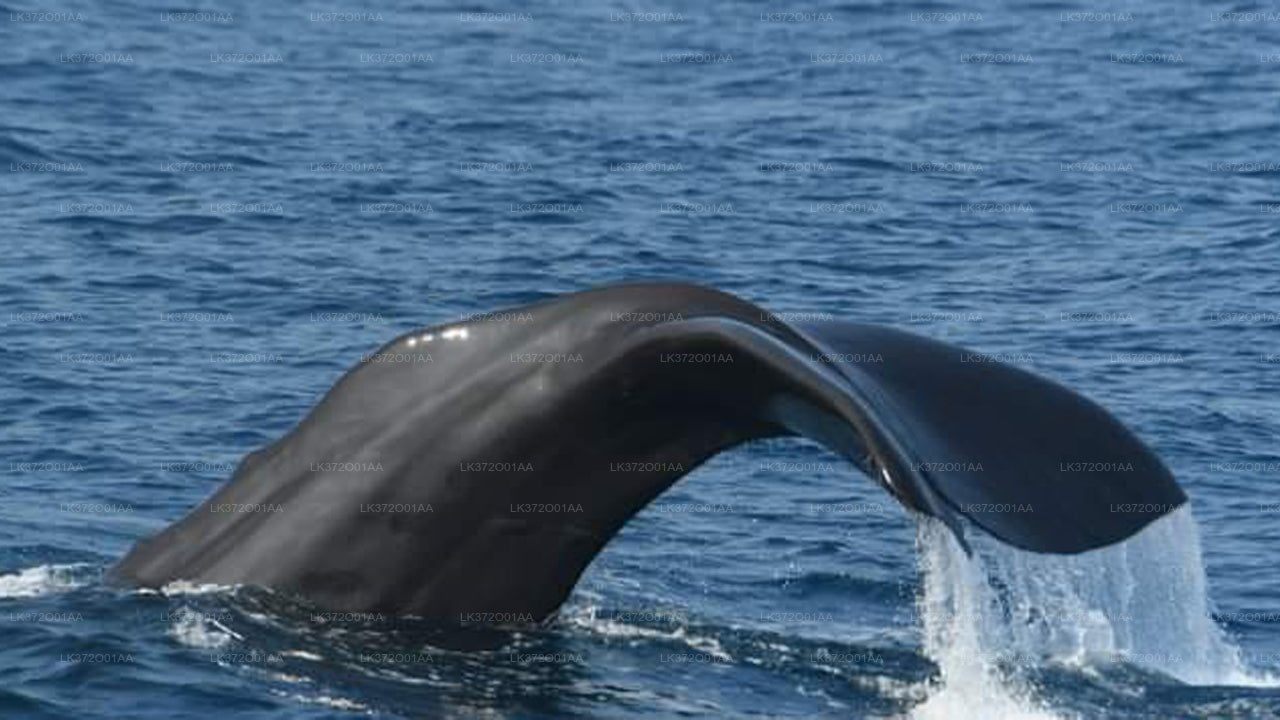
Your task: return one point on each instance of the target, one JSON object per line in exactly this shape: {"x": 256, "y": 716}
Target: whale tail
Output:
{"x": 473, "y": 470}
{"x": 1030, "y": 462}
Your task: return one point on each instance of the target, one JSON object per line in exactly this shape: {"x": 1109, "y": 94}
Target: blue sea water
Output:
{"x": 208, "y": 213}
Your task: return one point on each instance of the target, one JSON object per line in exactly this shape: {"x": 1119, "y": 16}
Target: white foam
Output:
{"x": 43, "y": 579}
{"x": 1143, "y": 602}
{"x": 186, "y": 587}
{"x": 586, "y": 619}
{"x": 330, "y": 701}
{"x": 193, "y": 629}
{"x": 303, "y": 655}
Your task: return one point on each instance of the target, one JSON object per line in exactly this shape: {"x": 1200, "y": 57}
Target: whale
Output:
{"x": 473, "y": 469}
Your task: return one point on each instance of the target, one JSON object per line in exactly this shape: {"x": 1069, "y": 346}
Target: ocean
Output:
{"x": 208, "y": 213}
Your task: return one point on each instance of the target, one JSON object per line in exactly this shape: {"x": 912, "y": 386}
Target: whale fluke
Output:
{"x": 471, "y": 471}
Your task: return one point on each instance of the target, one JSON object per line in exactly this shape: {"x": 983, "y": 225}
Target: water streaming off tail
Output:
{"x": 1142, "y": 602}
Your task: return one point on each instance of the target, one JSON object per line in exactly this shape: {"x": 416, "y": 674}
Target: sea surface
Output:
{"x": 208, "y": 213}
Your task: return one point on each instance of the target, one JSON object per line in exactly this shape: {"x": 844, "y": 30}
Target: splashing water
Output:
{"x": 44, "y": 579}
{"x": 958, "y": 607}
{"x": 1143, "y": 602}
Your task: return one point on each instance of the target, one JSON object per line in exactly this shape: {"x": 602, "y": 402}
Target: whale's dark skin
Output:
{"x": 508, "y": 449}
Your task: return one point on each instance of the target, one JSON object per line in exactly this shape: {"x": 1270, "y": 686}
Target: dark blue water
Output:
{"x": 207, "y": 218}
